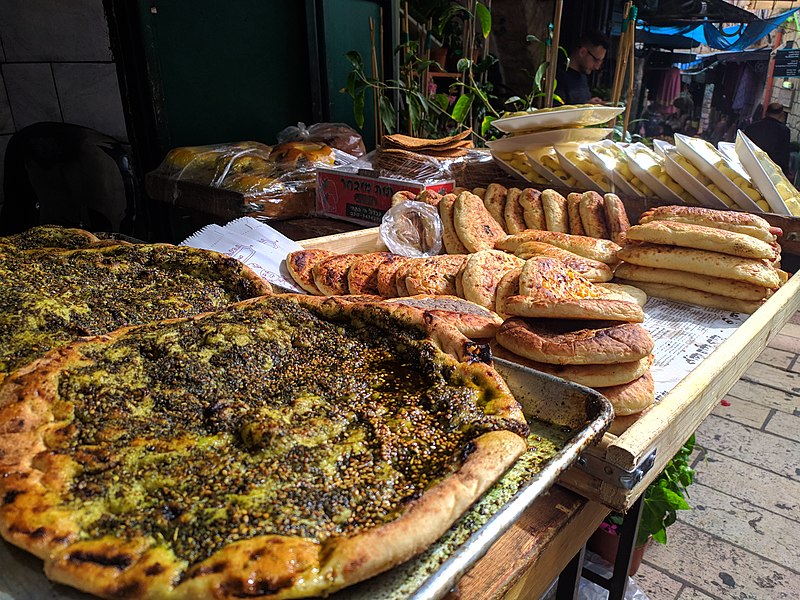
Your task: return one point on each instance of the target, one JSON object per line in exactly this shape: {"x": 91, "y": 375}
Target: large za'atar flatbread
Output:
{"x": 287, "y": 446}
{"x": 50, "y": 297}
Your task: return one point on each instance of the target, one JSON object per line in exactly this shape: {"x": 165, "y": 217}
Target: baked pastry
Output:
{"x": 533, "y": 208}
{"x": 475, "y": 227}
{"x": 472, "y": 320}
{"x": 593, "y": 215}
{"x": 50, "y": 236}
{"x": 693, "y": 296}
{"x": 452, "y": 243}
{"x": 636, "y": 293}
{"x": 362, "y": 277}
{"x": 514, "y": 213}
{"x": 482, "y": 272}
{"x": 631, "y": 398}
{"x": 434, "y": 275}
{"x": 575, "y": 342}
{"x": 300, "y": 264}
{"x": 330, "y": 274}
{"x": 588, "y": 247}
{"x": 739, "y": 222}
{"x": 555, "y": 211}
{"x": 495, "y": 201}
{"x": 574, "y": 212}
{"x": 593, "y": 270}
{"x": 616, "y": 218}
{"x": 302, "y": 153}
{"x": 386, "y": 277}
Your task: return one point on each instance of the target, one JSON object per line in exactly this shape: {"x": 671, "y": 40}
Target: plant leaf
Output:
{"x": 388, "y": 114}
{"x": 539, "y": 76}
{"x": 355, "y": 59}
{"x": 485, "y": 18}
{"x": 461, "y": 109}
{"x": 486, "y": 124}
{"x": 463, "y": 64}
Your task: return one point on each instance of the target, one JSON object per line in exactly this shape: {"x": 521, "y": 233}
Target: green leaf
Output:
{"x": 539, "y": 76}
{"x": 463, "y": 64}
{"x": 388, "y": 114}
{"x": 485, "y": 17}
{"x": 355, "y": 59}
{"x": 532, "y": 38}
{"x": 486, "y": 124}
{"x": 358, "y": 108}
{"x": 461, "y": 109}
{"x": 441, "y": 100}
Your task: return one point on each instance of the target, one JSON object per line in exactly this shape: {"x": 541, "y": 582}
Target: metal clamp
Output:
{"x": 613, "y": 474}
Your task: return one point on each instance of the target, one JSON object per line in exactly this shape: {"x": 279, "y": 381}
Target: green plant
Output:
{"x": 663, "y": 498}
{"x": 537, "y": 93}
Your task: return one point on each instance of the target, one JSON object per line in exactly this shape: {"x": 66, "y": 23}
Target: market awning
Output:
{"x": 735, "y": 37}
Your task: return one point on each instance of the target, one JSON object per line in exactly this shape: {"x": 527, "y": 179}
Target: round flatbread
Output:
{"x": 574, "y": 212}
{"x": 300, "y": 265}
{"x": 631, "y": 398}
{"x": 362, "y": 278}
{"x": 400, "y": 276}
{"x": 472, "y": 320}
{"x": 555, "y": 211}
{"x": 593, "y": 376}
{"x": 452, "y": 243}
{"x": 330, "y": 274}
{"x": 575, "y": 342}
{"x": 434, "y": 275}
{"x": 616, "y": 218}
{"x": 593, "y": 270}
{"x": 483, "y": 271}
{"x": 533, "y": 211}
{"x": 475, "y": 227}
{"x": 385, "y": 279}
{"x": 495, "y": 201}
{"x": 508, "y": 287}
{"x": 514, "y": 213}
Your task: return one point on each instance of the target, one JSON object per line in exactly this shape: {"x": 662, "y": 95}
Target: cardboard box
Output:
{"x": 363, "y": 197}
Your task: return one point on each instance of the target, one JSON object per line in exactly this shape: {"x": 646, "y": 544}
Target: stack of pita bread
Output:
{"x": 721, "y": 259}
{"x": 558, "y": 322}
{"x": 418, "y": 158}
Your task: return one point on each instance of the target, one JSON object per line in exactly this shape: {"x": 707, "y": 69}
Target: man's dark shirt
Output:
{"x": 573, "y": 87}
{"x": 772, "y": 137}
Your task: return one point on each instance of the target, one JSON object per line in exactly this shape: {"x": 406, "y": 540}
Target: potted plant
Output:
{"x": 663, "y": 498}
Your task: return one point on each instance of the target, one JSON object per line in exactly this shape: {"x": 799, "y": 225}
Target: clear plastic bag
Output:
{"x": 412, "y": 229}
{"x": 336, "y": 135}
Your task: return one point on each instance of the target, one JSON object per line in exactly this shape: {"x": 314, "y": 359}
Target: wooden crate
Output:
{"x": 618, "y": 470}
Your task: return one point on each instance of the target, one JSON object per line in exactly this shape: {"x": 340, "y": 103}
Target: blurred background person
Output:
{"x": 572, "y": 85}
{"x": 772, "y": 135}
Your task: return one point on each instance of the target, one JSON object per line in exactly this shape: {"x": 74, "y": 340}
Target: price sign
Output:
{"x": 787, "y": 63}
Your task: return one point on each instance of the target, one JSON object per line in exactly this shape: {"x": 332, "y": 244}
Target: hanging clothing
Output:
{"x": 744, "y": 95}
{"x": 668, "y": 91}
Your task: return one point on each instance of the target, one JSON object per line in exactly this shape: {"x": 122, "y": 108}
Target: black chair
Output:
{"x": 69, "y": 175}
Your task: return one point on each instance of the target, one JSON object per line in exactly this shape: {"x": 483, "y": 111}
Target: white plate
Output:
{"x": 690, "y": 183}
{"x": 608, "y": 165}
{"x": 660, "y": 145}
{"x": 704, "y": 156}
{"x": 642, "y": 158}
{"x": 728, "y": 150}
{"x": 578, "y": 116}
{"x": 582, "y": 178}
{"x": 548, "y": 138}
{"x": 762, "y": 171}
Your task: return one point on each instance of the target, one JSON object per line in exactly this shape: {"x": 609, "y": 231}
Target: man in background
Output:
{"x": 772, "y": 135}
{"x": 573, "y": 84}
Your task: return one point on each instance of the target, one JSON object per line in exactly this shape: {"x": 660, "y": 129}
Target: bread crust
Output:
{"x": 740, "y": 222}
{"x": 588, "y": 247}
{"x": 51, "y": 236}
{"x": 300, "y": 265}
{"x": 434, "y": 275}
{"x": 330, "y": 274}
{"x": 555, "y": 211}
{"x": 593, "y": 270}
{"x": 362, "y": 278}
{"x": 495, "y": 201}
{"x": 702, "y": 262}
{"x": 574, "y": 212}
{"x": 700, "y": 237}
{"x": 471, "y": 319}
{"x": 36, "y": 482}
{"x": 720, "y": 286}
{"x": 593, "y": 215}
{"x": 514, "y": 213}
{"x": 575, "y": 342}
{"x": 385, "y": 278}
{"x": 476, "y": 228}
{"x": 616, "y": 218}
{"x": 482, "y": 273}
{"x": 533, "y": 209}
{"x": 631, "y": 398}
{"x": 452, "y": 243}
{"x": 593, "y": 376}
{"x": 691, "y": 296}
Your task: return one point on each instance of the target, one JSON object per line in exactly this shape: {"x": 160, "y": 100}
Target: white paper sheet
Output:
{"x": 257, "y": 245}
{"x": 684, "y": 335}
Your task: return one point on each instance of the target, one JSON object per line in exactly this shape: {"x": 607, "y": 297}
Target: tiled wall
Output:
{"x": 56, "y": 65}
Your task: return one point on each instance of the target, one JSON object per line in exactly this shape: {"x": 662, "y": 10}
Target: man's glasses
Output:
{"x": 597, "y": 60}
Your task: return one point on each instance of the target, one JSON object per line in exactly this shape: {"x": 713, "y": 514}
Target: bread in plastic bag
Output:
{"x": 336, "y": 135}
{"x": 412, "y": 229}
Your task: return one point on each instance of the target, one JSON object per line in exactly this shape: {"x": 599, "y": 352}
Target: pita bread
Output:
{"x": 533, "y": 209}
{"x": 555, "y": 211}
{"x": 547, "y": 288}
{"x": 636, "y": 294}
{"x": 403, "y": 196}
{"x": 362, "y": 278}
{"x": 575, "y": 342}
{"x": 387, "y": 270}
{"x": 728, "y": 220}
{"x": 330, "y": 274}
{"x": 631, "y": 398}
{"x": 690, "y": 296}
{"x": 452, "y": 243}
{"x": 470, "y": 319}
{"x": 514, "y": 213}
{"x": 593, "y": 215}
{"x": 495, "y": 201}
{"x": 507, "y": 287}
{"x": 688, "y": 235}
{"x": 482, "y": 273}
{"x": 593, "y": 270}
{"x": 435, "y": 275}
{"x": 715, "y": 285}
{"x": 616, "y": 218}
{"x": 400, "y": 277}
{"x": 574, "y": 212}
{"x": 479, "y": 192}
{"x": 300, "y": 264}
{"x": 603, "y": 250}
{"x": 702, "y": 262}
{"x": 593, "y": 376}
{"x": 475, "y": 227}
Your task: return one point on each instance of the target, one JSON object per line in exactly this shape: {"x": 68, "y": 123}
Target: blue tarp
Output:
{"x": 737, "y": 37}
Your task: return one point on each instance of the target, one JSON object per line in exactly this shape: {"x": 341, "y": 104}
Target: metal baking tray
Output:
{"x": 565, "y": 418}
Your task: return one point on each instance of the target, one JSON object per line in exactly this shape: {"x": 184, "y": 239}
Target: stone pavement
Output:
{"x": 741, "y": 541}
